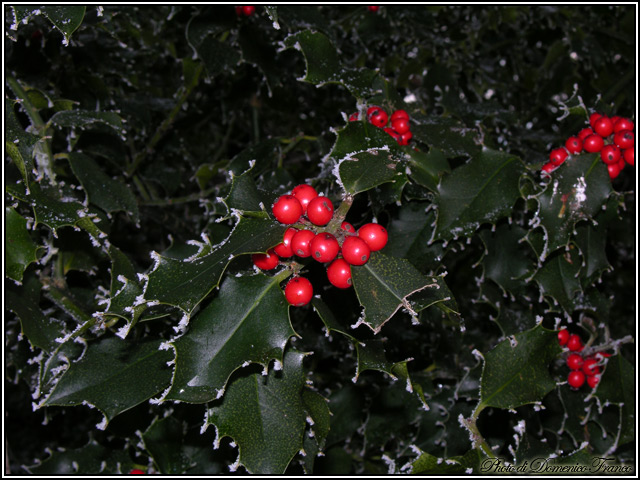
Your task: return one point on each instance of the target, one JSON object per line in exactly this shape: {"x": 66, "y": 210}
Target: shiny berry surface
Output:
{"x": 339, "y": 273}
{"x": 266, "y": 261}
{"x": 298, "y": 291}
{"x": 563, "y": 337}
{"x": 374, "y": 235}
{"x": 301, "y": 243}
{"x": 593, "y": 143}
{"x": 287, "y": 209}
{"x": 576, "y": 379}
{"x": 284, "y": 249}
{"x": 320, "y": 211}
{"x": 304, "y": 193}
{"x": 355, "y": 251}
{"x": 324, "y": 247}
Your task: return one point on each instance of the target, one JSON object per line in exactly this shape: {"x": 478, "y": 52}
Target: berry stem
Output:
{"x": 339, "y": 214}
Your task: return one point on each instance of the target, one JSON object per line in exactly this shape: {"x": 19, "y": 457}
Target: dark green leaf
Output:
{"x": 365, "y": 170}
{"x": 559, "y": 281}
{"x": 483, "y": 190}
{"x": 203, "y": 31}
{"x": 114, "y": 375}
{"x": 426, "y": 168}
{"x": 247, "y": 323}
{"x": 18, "y": 142}
{"x": 592, "y": 242}
{"x": 516, "y": 371}
{"x": 265, "y": 416}
{"x": 185, "y": 283}
{"x": 21, "y": 250}
{"x": 65, "y": 18}
{"x": 164, "y": 440}
{"x": 447, "y": 135}
{"x": 319, "y": 418}
{"x": 102, "y": 190}
{"x": 244, "y": 195}
{"x": 86, "y": 118}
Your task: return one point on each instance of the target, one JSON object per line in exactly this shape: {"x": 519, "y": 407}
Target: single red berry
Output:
{"x": 399, "y": 114}
{"x": 584, "y": 133}
{"x": 136, "y": 471}
{"x": 284, "y": 250}
{"x": 563, "y": 337}
{"x": 614, "y": 119}
{"x": 266, "y": 261}
{"x": 614, "y": 170}
{"x": 593, "y": 118}
{"x": 248, "y": 10}
{"x": 373, "y": 8}
{"x": 629, "y": 156}
{"x": 347, "y": 227}
{"x": 324, "y": 247}
{"x": 354, "y": 117}
{"x": 287, "y": 209}
{"x": 378, "y": 117}
{"x": 320, "y": 210}
{"x": 576, "y": 379}
{"x": 298, "y": 291}
{"x": 401, "y": 125}
{"x": 301, "y": 243}
{"x": 610, "y": 154}
{"x": 575, "y": 343}
{"x": 404, "y": 138}
{"x": 339, "y": 273}
{"x": 593, "y": 143}
{"x": 574, "y": 361}
{"x": 558, "y": 156}
{"x": 623, "y": 124}
{"x": 593, "y": 380}
{"x": 355, "y": 251}
{"x": 304, "y": 193}
{"x": 573, "y": 145}
{"x": 548, "y": 167}
{"x": 624, "y": 139}
{"x": 375, "y": 235}
{"x": 621, "y": 164}
{"x": 393, "y": 133}
{"x": 591, "y": 367}
{"x": 603, "y": 126}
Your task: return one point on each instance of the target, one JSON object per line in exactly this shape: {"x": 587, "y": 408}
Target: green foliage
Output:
{"x": 144, "y": 147}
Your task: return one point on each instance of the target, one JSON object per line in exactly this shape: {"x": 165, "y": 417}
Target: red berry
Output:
{"x": 301, "y": 243}
{"x": 593, "y": 118}
{"x": 623, "y": 124}
{"x": 576, "y": 379}
{"x": 248, "y": 10}
{"x": 378, "y": 117}
{"x": 320, "y": 210}
{"x": 339, "y": 273}
{"x": 584, "y": 133}
{"x": 354, "y": 117}
{"x": 610, "y": 154}
{"x": 590, "y": 367}
{"x": 393, "y": 133}
{"x": 573, "y": 145}
{"x": 614, "y": 119}
{"x": 614, "y": 170}
{"x": 304, "y": 193}
{"x": 621, "y": 164}
{"x": 593, "y": 380}
{"x": 548, "y": 167}
{"x": 624, "y": 139}
{"x": 629, "y": 156}
{"x": 324, "y": 247}
{"x": 287, "y": 209}
{"x": 401, "y": 125}
{"x": 575, "y": 343}
{"x": 347, "y": 227}
{"x": 373, "y": 8}
{"x": 375, "y": 235}
{"x": 603, "y": 126}
{"x": 136, "y": 471}
{"x": 574, "y": 361}
{"x": 298, "y": 291}
{"x": 404, "y": 138}
{"x": 266, "y": 261}
{"x": 355, "y": 251}
{"x": 239, "y": 11}
{"x": 399, "y": 114}
{"x": 563, "y": 337}
{"x": 593, "y": 143}
{"x": 558, "y": 155}
{"x": 284, "y": 250}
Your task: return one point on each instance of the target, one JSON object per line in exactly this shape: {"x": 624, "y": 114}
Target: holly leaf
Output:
{"x": 323, "y": 65}
{"x": 103, "y": 191}
{"x": 21, "y": 251}
{"x": 363, "y": 171}
{"x": 114, "y": 375}
{"x": 383, "y": 286}
{"x": 483, "y": 190}
{"x": 559, "y": 279}
{"x": 427, "y": 168}
{"x": 244, "y": 195}
{"x": 184, "y": 283}
{"x": 448, "y": 135}
{"x": 18, "y": 142}
{"x": 576, "y": 191}
{"x": 319, "y": 418}
{"x": 67, "y": 18}
{"x": 516, "y": 371}
{"x": 264, "y": 415}
{"x": 246, "y": 323}
{"x": 86, "y": 118}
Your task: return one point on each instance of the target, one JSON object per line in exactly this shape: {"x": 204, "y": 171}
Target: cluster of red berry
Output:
{"x": 340, "y": 249}
{"x": 245, "y": 10}
{"x": 582, "y": 369}
{"x": 613, "y": 137}
{"x": 399, "y": 129}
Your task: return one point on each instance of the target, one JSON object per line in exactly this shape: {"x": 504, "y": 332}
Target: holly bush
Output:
{"x": 145, "y": 146}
